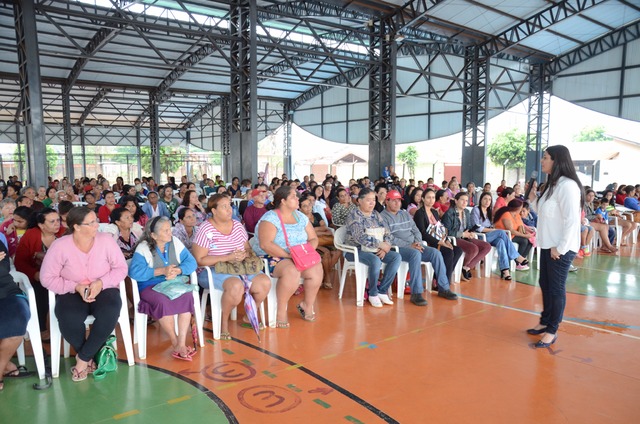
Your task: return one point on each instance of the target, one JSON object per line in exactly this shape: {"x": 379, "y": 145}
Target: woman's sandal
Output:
{"x": 306, "y": 317}
{"x": 503, "y": 275}
{"x": 177, "y": 355}
{"x": 282, "y": 324}
{"x": 191, "y": 351}
{"x": 225, "y": 336}
{"x": 77, "y": 376}
{"x": 19, "y": 372}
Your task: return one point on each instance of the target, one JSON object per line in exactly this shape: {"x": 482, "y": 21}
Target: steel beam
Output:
{"x": 203, "y": 110}
{"x": 476, "y": 71}
{"x": 66, "y": 127}
{"x": 512, "y": 37}
{"x": 382, "y": 99}
{"x": 286, "y": 141}
{"x": 31, "y": 91}
{"x": 154, "y": 138}
{"x": 539, "y": 111}
{"x": 83, "y": 147}
{"x": 609, "y": 41}
{"x": 139, "y": 155}
{"x": 226, "y": 138}
{"x": 243, "y": 99}
{"x": 97, "y": 99}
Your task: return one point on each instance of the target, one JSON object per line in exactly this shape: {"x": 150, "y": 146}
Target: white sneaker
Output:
{"x": 375, "y": 301}
{"x": 385, "y": 299}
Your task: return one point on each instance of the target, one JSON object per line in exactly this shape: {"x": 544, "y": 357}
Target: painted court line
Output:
{"x": 566, "y": 320}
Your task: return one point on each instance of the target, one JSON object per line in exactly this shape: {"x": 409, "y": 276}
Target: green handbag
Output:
{"x": 106, "y": 359}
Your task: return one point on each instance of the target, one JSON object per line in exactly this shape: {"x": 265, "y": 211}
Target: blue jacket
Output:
{"x": 162, "y": 210}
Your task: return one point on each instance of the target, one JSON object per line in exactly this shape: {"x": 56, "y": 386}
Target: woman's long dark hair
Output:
{"x": 611, "y": 201}
{"x": 562, "y": 167}
{"x": 489, "y": 209}
{"x": 513, "y": 205}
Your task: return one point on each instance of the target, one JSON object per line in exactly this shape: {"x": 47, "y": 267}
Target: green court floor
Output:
{"x": 137, "y": 394}
{"x": 598, "y": 275}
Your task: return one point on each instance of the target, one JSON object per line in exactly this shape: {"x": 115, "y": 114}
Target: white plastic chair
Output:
{"x": 140, "y": 319}
{"x": 216, "y": 305}
{"x": 404, "y": 269}
{"x": 56, "y": 336}
{"x": 33, "y": 326}
{"x": 361, "y": 270}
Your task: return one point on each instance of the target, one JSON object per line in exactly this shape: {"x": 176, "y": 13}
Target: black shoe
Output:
{"x": 418, "y": 300}
{"x": 448, "y": 294}
{"x": 504, "y": 276}
{"x": 535, "y": 332}
{"x": 540, "y": 344}
{"x": 467, "y": 274}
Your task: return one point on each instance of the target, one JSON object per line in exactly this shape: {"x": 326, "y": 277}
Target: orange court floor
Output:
{"x": 464, "y": 361}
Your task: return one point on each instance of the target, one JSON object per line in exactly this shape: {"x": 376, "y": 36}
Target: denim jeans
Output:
{"x": 392, "y": 259}
{"x": 505, "y": 248}
{"x": 553, "y": 278}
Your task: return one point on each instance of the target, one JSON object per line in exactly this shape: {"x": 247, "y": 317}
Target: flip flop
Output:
{"x": 191, "y": 351}
{"x": 19, "y": 372}
{"x": 282, "y": 324}
{"x": 177, "y": 355}
{"x": 306, "y": 317}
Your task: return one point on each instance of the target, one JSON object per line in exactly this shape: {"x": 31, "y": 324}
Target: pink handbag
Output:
{"x": 304, "y": 256}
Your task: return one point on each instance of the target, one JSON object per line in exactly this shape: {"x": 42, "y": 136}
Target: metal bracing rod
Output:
{"x": 555, "y": 13}
{"x": 97, "y": 99}
{"x": 203, "y": 110}
{"x": 623, "y": 35}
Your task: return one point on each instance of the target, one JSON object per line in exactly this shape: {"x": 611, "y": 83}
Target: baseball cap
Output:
{"x": 257, "y": 191}
{"x": 393, "y": 194}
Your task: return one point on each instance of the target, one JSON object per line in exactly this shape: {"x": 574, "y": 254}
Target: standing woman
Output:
{"x": 84, "y": 269}
{"x": 160, "y": 257}
{"x": 559, "y": 209}
{"x": 30, "y": 253}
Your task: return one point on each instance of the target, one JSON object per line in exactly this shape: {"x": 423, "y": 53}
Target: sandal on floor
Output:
{"x": 177, "y": 355}
{"x": 1, "y": 385}
{"x": 225, "y": 336}
{"x": 191, "y": 351}
{"x": 503, "y": 276}
{"x": 77, "y": 376}
{"x": 247, "y": 324}
{"x": 19, "y": 372}
{"x": 282, "y": 324}
{"x": 306, "y": 317}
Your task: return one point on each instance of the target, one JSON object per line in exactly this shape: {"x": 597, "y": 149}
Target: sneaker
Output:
{"x": 520, "y": 267}
{"x": 587, "y": 252}
{"x": 448, "y": 294}
{"x": 418, "y": 300}
{"x": 573, "y": 268}
{"x": 375, "y": 301}
{"x": 385, "y": 299}
{"x": 580, "y": 254}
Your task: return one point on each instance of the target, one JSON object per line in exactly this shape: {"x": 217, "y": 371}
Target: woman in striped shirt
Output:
{"x": 223, "y": 239}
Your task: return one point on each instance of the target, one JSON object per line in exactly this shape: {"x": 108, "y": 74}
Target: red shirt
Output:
{"x": 104, "y": 212}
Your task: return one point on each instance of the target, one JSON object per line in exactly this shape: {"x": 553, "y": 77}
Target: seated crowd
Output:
{"x": 80, "y": 240}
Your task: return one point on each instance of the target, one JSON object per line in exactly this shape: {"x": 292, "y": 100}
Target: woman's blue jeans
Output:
{"x": 392, "y": 259}
{"x": 553, "y": 278}
{"x": 505, "y": 248}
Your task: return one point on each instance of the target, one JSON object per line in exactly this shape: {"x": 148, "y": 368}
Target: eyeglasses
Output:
{"x": 91, "y": 223}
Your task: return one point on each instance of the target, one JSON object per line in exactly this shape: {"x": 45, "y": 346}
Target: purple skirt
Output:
{"x": 158, "y": 305}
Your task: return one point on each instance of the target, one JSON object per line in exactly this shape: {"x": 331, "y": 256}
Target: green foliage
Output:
{"x": 171, "y": 159}
{"x": 592, "y": 134}
{"x": 52, "y": 157}
{"x": 410, "y": 158}
{"x": 511, "y": 145}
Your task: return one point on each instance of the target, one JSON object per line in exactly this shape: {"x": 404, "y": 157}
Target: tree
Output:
{"x": 52, "y": 157}
{"x": 509, "y": 149}
{"x": 410, "y": 158}
{"x": 171, "y": 159}
{"x": 592, "y": 134}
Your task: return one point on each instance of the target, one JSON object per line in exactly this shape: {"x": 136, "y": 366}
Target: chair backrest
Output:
{"x": 339, "y": 236}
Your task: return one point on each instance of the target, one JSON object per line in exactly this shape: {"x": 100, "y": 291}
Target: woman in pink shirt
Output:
{"x": 84, "y": 269}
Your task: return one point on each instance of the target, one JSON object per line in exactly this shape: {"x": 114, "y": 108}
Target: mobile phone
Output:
{"x": 87, "y": 291}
